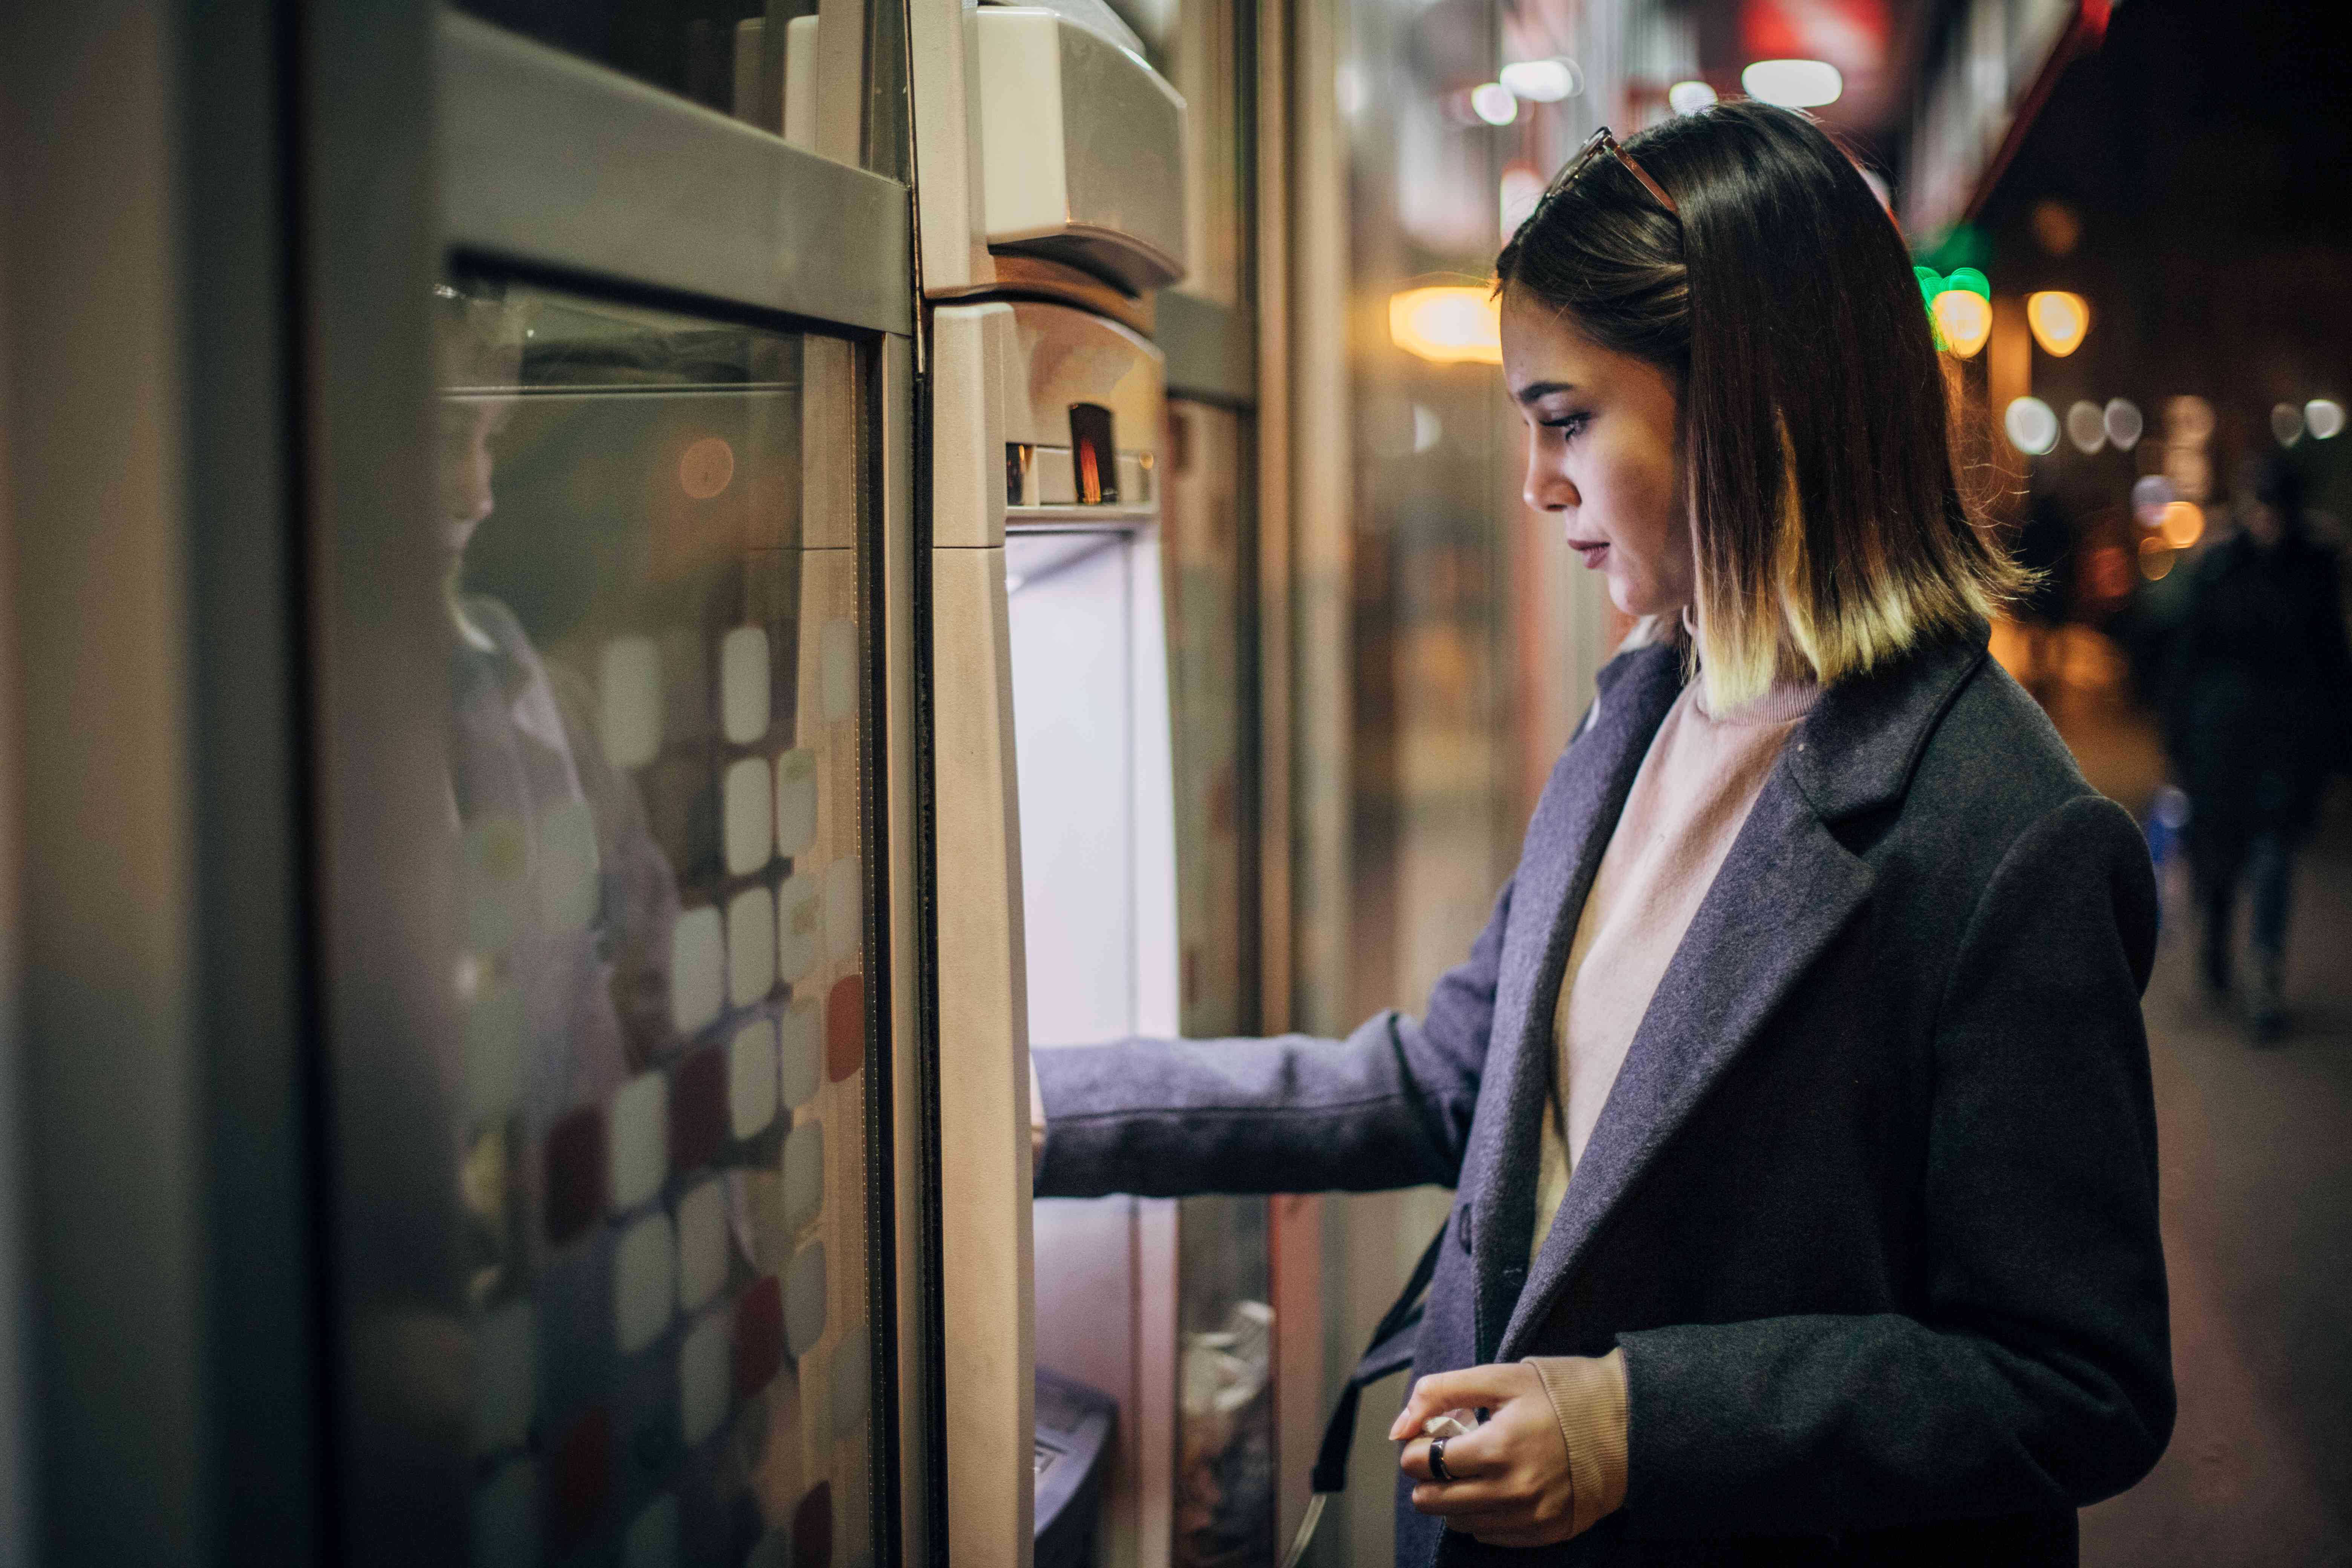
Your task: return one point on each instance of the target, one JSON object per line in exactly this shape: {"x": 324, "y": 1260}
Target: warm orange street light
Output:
{"x": 1965, "y": 318}
{"x": 1451, "y": 324}
{"x": 2059, "y": 319}
{"x": 2182, "y": 524}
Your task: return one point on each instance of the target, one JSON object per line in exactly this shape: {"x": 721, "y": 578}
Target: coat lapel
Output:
{"x": 1784, "y": 890}
{"x": 1565, "y": 842}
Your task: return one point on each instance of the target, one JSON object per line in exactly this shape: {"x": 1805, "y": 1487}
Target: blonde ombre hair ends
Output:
{"x": 1828, "y": 527}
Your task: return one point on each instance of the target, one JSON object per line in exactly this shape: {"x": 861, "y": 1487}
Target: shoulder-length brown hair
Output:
{"x": 1825, "y": 514}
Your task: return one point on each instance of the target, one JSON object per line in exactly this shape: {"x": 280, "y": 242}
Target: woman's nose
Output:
{"x": 1547, "y": 489}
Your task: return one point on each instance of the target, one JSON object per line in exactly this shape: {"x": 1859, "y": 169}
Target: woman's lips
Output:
{"x": 1594, "y": 550}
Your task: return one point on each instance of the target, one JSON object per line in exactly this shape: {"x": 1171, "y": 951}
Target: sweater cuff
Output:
{"x": 1588, "y": 1400}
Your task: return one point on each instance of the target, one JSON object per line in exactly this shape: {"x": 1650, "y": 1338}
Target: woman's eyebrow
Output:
{"x": 1535, "y": 391}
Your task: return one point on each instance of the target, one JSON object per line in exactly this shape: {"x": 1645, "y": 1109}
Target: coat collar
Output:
{"x": 1859, "y": 747}
{"x": 1784, "y": 891}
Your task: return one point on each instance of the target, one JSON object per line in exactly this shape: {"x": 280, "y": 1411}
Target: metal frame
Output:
{"x": 1211, "y": 351}
{"x": 553, "y": 163}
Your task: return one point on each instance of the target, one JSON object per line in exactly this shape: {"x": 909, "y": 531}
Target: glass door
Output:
{"x": 634, "y": 691}
{"x": 659, "y": 745}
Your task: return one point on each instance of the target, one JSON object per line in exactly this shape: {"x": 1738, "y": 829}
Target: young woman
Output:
{"x": 1796, "y": 1095}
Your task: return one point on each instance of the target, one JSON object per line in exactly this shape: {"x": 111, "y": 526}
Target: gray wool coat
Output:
{"x": 1872, "y": 1208}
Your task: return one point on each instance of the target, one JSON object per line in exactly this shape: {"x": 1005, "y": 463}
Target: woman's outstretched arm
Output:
{"x": 1388, "y": 1106}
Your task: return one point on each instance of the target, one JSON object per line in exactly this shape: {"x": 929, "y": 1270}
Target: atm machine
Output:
{"x": 1051, "y": 205}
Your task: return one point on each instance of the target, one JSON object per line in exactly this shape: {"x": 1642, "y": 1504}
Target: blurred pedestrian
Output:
{"x": 2045, "y": 548}
{"x": 2258, "y": 712}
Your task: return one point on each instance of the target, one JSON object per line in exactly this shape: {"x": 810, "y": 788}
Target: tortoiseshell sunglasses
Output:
{"x": 1600, "y": 141}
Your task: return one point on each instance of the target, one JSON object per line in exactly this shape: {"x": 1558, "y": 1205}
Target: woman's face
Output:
{"x": 1602, "y": 454}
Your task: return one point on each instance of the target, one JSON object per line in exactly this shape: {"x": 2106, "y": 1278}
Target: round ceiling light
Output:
{"x": 1794, "y": 84}
{"x": 1494, "y": 103}
{"x": 1689, "y": 97}
{"x": 1543, "y": 81}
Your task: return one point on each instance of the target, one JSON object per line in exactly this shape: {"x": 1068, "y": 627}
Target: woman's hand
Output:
{"x": 1511, "y": 1484}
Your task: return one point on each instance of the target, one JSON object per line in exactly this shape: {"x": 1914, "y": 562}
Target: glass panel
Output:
{"x": 1199, "y": 47}
{"x": 1224, "y": 1406}
{"x": 658, "y": 748}
{"x": 1224, "y": 1386}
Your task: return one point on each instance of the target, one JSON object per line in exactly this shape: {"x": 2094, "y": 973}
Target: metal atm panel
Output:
{"x": 1053, "y": 787}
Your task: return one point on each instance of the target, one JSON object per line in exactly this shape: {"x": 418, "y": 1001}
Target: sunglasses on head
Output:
{"x": 1598, "y": 143}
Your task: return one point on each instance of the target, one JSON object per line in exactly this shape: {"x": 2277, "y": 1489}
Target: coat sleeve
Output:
{"x": 1389, "y": 1106}
{"x": 2036, "y": 1373}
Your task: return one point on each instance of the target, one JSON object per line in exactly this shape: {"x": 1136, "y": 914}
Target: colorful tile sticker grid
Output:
{"x": 598, "y": 1394}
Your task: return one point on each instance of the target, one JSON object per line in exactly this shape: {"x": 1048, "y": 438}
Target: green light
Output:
{"x": 1969, "y": 279}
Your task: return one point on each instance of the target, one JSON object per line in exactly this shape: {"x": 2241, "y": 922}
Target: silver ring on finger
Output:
{"x": 1437, "y": 1470}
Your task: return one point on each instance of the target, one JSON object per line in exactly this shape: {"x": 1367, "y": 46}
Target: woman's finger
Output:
{"x": 1465, "y": 1460}
{"x": 1481, "y": 1451}
{"x": 1473, "y": 1387}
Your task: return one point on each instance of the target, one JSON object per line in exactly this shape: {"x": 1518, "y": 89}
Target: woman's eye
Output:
{"x": 1568, "y": 426}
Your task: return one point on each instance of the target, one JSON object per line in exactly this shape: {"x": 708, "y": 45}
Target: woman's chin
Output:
{"x": 1629, "y": 598}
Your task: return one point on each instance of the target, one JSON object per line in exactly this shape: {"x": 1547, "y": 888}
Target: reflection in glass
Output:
{"x": 656, "y": 729}
{"x": 730, "y": 56}
{"x": 687, "y": 47}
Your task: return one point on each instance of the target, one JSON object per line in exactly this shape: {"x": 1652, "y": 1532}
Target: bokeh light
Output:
{"x": 2286, "y": 422}
{"x": 1543, "y": 81}
{"x": 1447, "y": 325}
{"x": 2125, "y": 425}
{"x": 2150, "y": 495}
{"x": 2086, "y": 427}
{"x": 2032, "y": 426}
{"x": 2056, "y": 227}
{"x": 1965, "y": 318}
{"x": 1689, "y": 97}
{"x": 1494, "y": 103}
{"x": 2188, "y": 418}
{"x": 2155, "y": 557}
{"x": 1794, "y": 84}
{"x": 2059, "y": 319}
{"x": 2183, "y": 525}
{"x": 2324, "y": 418}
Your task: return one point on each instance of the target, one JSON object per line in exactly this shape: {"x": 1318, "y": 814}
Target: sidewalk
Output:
{"x": 2256, "y": 1151}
